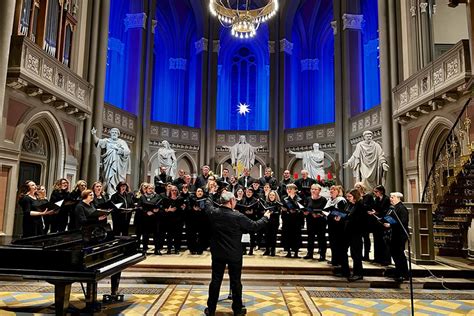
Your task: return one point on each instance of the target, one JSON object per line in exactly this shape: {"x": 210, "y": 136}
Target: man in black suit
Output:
{"x": 304, "y": 184}
{"x": 246, "y": 180}
{"x": 268, "y": 178}
{"x": 201, "y": 180}
{"x": 161, "y": 180}
{"x": 225, "y": 176}
{"x": 226, "y": 249}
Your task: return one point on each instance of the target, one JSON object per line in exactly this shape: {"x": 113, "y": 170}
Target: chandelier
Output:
{"x": 240, "y": 17}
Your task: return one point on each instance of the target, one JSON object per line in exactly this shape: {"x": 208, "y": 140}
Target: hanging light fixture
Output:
{"x": 240, "y": 17}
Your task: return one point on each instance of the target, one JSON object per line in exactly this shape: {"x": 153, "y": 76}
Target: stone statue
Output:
{"x": 242, "y": 154}
{"x": 167, "y": 159}
{"x": 368, "y": 162}
{"x": 115, "y": 160}
{"x": 313, "y": 161}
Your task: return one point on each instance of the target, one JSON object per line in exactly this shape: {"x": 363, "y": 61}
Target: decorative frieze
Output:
{"x": 352, "y": 21}
{"x": 32, "y": 63}
{"x": 177, "y": 63}
{"x": 201, "y": 45}
{"x": 135, "y": 20}
{"x": 175, "y": 134}
{"x": 286, "y": 46}
{"x": 115, "y": 117}
{"x": 309, "y": 64}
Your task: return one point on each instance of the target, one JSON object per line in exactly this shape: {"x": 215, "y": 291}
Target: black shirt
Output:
{"x": 227, "y": 229}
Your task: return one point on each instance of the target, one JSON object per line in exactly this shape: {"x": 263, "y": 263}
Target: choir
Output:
{"x": 167, "y": 208}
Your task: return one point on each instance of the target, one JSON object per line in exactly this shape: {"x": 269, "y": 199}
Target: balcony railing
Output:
{"x": 440, "y": 82}
{"x": 38, "y": 74}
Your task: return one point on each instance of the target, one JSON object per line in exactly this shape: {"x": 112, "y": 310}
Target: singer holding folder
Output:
{"x": 397, "y": 220}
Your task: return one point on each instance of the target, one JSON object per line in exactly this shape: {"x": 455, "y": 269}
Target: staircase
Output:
{"x": 454, "y": 213}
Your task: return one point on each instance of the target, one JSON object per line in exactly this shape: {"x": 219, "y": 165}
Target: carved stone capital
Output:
{"x": 423, "y": 7}
{"x": 201, "y": 45}
{"x": 216, "y": 46}
{"x": 153, "y": 25}
{"x": 286, "y": 46}
{"x": 413, "y": 11}
{"x": 334, "y": 27}
{"x": 309, "y": 64}
{"x": 115, "y": 45}
{"x": 271, "y": 47}
{"x": 135, "y": 20}
{"x": 352, "y": 21}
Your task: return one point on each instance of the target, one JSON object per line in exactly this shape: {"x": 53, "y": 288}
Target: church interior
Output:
{"x": 151, "y": 98}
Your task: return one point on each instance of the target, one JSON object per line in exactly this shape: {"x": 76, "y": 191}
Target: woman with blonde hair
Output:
{"x": 61, "y": 192}
{"x": 335, "y": 204}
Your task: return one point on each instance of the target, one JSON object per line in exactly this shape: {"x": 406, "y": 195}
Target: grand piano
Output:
{"x": 85, "y": 256}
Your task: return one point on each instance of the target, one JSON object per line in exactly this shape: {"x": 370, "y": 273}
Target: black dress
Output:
{"x": 316, "y": 224}
{"x": 120, "y": 218}
{"x": 32, "y": 225}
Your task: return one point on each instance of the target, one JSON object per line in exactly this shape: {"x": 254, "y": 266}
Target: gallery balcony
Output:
{"x": 441, "y": 82}
{"x": 40, "y": 75}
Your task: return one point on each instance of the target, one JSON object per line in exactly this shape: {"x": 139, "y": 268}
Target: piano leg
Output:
{"x": 92, "y": 305}
{"x": 62, "y": 294}
{"x": 114, "y": 297}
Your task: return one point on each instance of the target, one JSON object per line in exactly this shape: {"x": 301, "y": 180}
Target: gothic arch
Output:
{"x": 434, "y": 133}
{"x": 190, "y": 162}
{"x": 54, "y": 140}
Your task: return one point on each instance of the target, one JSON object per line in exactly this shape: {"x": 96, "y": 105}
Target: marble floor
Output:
{"x": 36, "y": 298}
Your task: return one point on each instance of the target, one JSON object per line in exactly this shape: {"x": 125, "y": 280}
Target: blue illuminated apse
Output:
{"x": 176, "y": 87}
{"x": 124, "y": 55}
{"x": 371, "y": 60}
{"x": 309, "y": 70}
{"x": 243, "y": 77}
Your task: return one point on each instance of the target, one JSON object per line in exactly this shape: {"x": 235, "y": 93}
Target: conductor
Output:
{"x": 226, "y": 249}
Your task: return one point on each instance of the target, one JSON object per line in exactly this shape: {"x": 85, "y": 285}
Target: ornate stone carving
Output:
{"x": 136, "y": 20}
{"x": 423, "y": 7}
{"x": 413, "y": 11}
{"x": 331, "y": 132}
{"x": 310, "y": 64}
{"x": 60, "y": 80}
{"x": 71, "y": 87}
{"x": 81, "y": 93}
{"x": 271, "y": 47}
{"x": 334, "y": 27}
{"x": 201, "y": 45}
{"x": 403, "y": 97}
{"x": 438, "y": 76}
{"x": 116, "y": 45}
{"x": 413, "y": 92}
{"x": 32, "y": 63}
{"x": 352, "y": 21}
{"x": 452, "y": 68}
{"x": 33, "y": 142}
{"x": 153, "y": 25}
{"x": 177, "y": 63}
{"x": 47, "y": 72}
{"x": 34, "y": 91}
{"x": 286, "y": 46}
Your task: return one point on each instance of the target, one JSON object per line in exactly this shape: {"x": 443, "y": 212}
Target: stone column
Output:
{"x": 6, "y": 26}
{"x": 101, "y": 17}
{"x": 93, "y": 33}
{"x": 352, "y": 74}
{"x": 276, "y": 125}
{"x": 285, "y": 49}
{"x": 208, "y": 123}
{"x": 425, "y": 32}
{"x": 338, "y": 90}
{"x": 386, "y": 90}
{"x": 142, "y": 155}
{"x": 204, "y": 48}
{"x": 470, "y": 26}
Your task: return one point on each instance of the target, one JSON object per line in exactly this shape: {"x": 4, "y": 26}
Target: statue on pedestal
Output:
{"x": 368, "y": 162}
{"x": 242, "y": 155}
{"x": 313, "y": 161}
{"x": 115, "y": 160}
{"x": 167, "y": 159}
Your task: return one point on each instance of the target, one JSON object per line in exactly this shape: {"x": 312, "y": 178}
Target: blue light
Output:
{"x": 243, "y": 77}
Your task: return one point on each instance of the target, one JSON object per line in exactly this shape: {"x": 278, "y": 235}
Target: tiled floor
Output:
{"x": 144, "y": 299}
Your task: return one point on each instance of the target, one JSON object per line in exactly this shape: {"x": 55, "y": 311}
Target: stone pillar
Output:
{"x": 352, "y": 74}
{"x": 425, "y": 32}
{"x": 276, "y": 148}
{"x": 6, "y": 26}
{"x": 285, "y": 49}
{"x": 470, "y": 26}
{"x": 142, "y": 155}
{"x": 386, "y": 90}
{"x": 101, "y": 17}
{"x": 93, "y": 33}
{"x": 338, "y": 89}
{"x": 208, "y": 123}
{"x": 204, "y": 48}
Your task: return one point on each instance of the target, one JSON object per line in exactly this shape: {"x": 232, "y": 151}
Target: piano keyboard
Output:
{"x": 117, "y": 263}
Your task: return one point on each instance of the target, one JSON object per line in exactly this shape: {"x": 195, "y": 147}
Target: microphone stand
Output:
{"x": 412, "y": 303}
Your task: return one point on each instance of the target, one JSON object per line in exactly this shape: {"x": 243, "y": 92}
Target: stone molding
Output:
{"x": 201, "y": 45}
{"x": 334, "y": 27}
{"x": 123, "y": 120}
{"x": 286, "y": 46}
{"x": 135, "y": 21}
{"x": 175, "y": 134}
{"x": 369, "y": 119}
{"x": 352, "y": 21}
{"x": 307, "y": 136}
